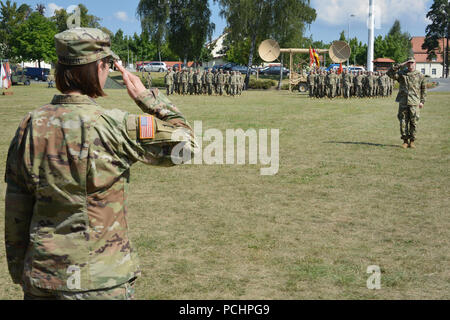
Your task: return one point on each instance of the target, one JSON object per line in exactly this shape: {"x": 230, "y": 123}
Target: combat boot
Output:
{"x": 405, "y": 144}
{"x": 412, "y": 145}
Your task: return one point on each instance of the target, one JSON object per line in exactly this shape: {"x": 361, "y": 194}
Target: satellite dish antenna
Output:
{"x": 340, "y": 51}
{"x": 269, "y": 50}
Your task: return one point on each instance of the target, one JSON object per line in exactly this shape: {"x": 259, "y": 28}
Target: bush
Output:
{"x": 261, "y": 84}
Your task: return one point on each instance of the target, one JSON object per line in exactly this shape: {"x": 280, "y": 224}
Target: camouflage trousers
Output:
{"x": 124, "y": 291}
{"x": 311, "y": 90}
{"x": 169, "y": 88}
{"x": 409, "y": 118}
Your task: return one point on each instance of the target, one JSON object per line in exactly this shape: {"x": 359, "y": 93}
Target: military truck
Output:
{"x": 300, "y": 80}
{"x": 18, "y": 75}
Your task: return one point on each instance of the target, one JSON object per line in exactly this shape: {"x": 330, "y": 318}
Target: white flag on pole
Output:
{"x": 3, "y": 78}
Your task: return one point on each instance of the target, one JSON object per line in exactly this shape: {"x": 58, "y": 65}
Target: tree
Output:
{"x": 395, "y": 45}
{"x": 34, "y": 39}
{"x": 10, "y": 17}
{"x": 154, "y": 16}
{"x": 40, "y": 8}
{"x": 359, "y": 52}
{"x": 342, "y": 36}
{"x": 256, "y": 20}
{"x": 439, "y": 28}
{"x": 189, "y": 27}
{"x": 179, "y": 27}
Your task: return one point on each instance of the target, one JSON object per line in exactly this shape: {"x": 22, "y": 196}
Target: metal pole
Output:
{"x": 371, "y": 40}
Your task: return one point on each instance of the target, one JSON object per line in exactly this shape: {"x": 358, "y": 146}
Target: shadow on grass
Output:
{"x": 365, "y": 143}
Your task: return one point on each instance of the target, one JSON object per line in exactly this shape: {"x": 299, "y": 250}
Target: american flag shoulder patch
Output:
{"x": 146, "y": 127}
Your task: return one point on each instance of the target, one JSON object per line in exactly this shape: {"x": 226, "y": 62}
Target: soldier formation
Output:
{"x": 348, "y": 85}
{"x": 200, "y": 82}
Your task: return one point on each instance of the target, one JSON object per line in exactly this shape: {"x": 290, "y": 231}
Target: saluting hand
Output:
{"x": 133, "y": 83}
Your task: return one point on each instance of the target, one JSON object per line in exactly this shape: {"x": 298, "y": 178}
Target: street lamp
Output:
{"x": 348, "y": 33}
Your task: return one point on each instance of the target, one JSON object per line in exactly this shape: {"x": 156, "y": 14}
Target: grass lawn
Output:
{"x": 346, "y": 197}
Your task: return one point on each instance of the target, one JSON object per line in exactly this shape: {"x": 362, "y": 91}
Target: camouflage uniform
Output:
{"x": 210, "y": 82}
{"x": 184, "y": 82}
{"x": 191, "y": 88}
{"x": 331, "y": 85}
{"x": 347, "y": 84}
{"x": 50, "y": 80}
{"x": 168, "y": 80}
{"x": 220, "y": 82}
{"x": 67, "y": 175}
{"x": 359, "y": 82}
{"x": 147, "y": 79}
{"x": 311, "y": 82}
{"x": 412, "y": 92}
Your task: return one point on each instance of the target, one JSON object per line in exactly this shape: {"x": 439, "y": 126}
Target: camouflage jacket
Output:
{"x": 413, "y": 86}
{"x": 67, "y": 175}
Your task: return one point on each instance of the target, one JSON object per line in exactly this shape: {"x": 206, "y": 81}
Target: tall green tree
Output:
{"x": 395, "y": 45}
{"x": 439, "y": 28}
{"x": 34, "y": 39}
{"x": 154, "y": 16}
{"x": 256, "y": 20}
{"x": 40, "y": 8}
{"x": 359, "y": 52}
{"x": 11, "y": 16}
{"x": 189, "y": 27}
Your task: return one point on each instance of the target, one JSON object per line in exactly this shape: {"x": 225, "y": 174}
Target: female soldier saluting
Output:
{"x": 68, "y": 170}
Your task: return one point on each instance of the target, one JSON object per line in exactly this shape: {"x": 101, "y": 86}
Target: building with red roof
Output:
{"x": 434, "y": 67}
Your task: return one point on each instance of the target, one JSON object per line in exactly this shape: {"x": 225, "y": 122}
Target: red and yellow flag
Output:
{"x": 316, "y": 58}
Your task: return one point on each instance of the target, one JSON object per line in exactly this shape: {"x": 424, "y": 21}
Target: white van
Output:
{"x": 155, "y": 67}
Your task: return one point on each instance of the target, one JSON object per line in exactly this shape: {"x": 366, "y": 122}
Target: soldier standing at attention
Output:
{"x": 148, "y": 79}
{"x": 347, "y": 83}
{"x": 411, "y": 98}
{"x": 191, "y": 81}
{"x": 50, "y": 80}
{"x": 331, "y": 84}
{"x": 175, "y": 80}
{"x": 359, "y": 81}
{"x": 185, "y": 82}
{"x": 228, "y": 83}
{"x": 311, "y": 80}
{"x": 209, "y": 82}
{"x": 220, "y": 82}
{"x": 67, "y": 176}
{"x": 168, "y": 80}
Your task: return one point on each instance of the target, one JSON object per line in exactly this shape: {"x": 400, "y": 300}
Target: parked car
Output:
{"x": 217, "y": 67}
{"x": 178, "y": 66}
{"x": 38, "y": 74}
{"x": 356, "y": 69}
{"x": 275, "y": 70}
{"x": 18, "y": 76}
{"x": 155, "y": 67}
{"x": 242, "y": 69}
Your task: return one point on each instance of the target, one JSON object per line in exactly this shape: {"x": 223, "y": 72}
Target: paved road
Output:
{"x": 444, "y": 85}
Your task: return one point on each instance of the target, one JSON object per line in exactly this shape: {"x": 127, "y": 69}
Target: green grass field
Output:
{"x": 346, "y": 196}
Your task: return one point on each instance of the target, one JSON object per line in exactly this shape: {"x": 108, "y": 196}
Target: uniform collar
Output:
{"x": 72, "y": 99}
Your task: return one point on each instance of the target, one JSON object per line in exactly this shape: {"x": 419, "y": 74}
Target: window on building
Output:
{"x": 434, "y": 59}
{"x": 433, "y": 71}
{"x": 422, "y": 70}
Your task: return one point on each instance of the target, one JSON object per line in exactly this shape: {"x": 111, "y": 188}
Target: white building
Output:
{"x": 217, "y": 52}
{"x": 433, "y": 68}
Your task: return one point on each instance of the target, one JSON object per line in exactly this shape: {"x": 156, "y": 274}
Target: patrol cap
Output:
{"x": 80, "y": 46}
{"x": 411, "y": 59}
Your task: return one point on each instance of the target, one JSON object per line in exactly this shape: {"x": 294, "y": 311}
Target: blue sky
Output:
{"x": 333, "y": 16}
